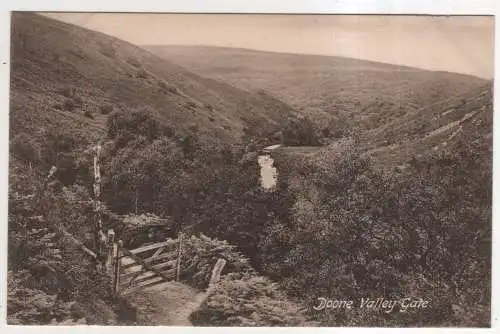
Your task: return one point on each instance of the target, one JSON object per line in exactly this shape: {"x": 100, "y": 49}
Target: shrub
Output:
{"x": 134, "y": 62}
{"x": 72, "y": 99}
{"x": 190, "y": 104}
{"x": 200, "y": 255}
{"x": 169, "y": 131}
{"x": 69, "y": 105}
{"x": 106, "y": 109}
{"x": 189, "y": 146}
{"x": 338, "y": 127}
{"x": 277, "y": 137}
{"x": 300, "y": 132}
{"x": 143, "y": 74}
{"x": 88, "y": 114}
{"x": 57, "y": 150}
{"x": 66, "y": 168}
{"x": 30, "y": 306}
{"x": 243, "y": 300}
{"x": 68, "y": 92}
{"x": 78, "y": 100}
{"x": 24, "y": 147}
{"x": 137, "y": 122}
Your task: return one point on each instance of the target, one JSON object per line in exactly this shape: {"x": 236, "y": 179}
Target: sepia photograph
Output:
{"x": 250, "y": 170}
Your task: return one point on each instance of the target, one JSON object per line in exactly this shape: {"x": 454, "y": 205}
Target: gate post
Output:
{"x": 179, "y": 254}
{"x": 117, "y": 266}
{"x": 110, "y": 245}
{"x": 100, "y": 237}
{"x": 219, "y": 265}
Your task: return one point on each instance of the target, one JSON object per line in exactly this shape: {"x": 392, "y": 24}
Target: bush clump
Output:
{"x": 301, "y": 132}
{"x": 199, "y": 255}
{"x": 134, "y": 62}
{"x": 24, "y": 147}
{"x": 143, "y": 74}
{"x": 245, "y": 300}
{"x": 133, "y": 124}
{"x": 72, "y": 99}
{"x": 69, "y": 105}
{"x": 68, "y": 92}
{"x": 106, "y": 109}
{"x": 88, "y": 114}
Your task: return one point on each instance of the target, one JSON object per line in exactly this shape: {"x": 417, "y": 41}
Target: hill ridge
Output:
{"x": 150, "y": 47}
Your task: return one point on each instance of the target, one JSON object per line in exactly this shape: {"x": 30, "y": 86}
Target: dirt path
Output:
{"x": 167, "y": 304}
{"x": 170, "y": 303}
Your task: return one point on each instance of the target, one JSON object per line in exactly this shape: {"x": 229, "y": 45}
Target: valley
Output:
{"x": 380, "y": 176}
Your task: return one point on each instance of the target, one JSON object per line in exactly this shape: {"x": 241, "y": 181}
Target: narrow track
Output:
{"x": 167, "y": 304}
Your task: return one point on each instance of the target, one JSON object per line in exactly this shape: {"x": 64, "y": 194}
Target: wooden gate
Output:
{"x": 145, "y": 266}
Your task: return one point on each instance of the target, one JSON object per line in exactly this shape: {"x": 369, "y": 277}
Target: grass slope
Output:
{"x": 397, "y": 111}
{"x": 60, "y": 71}
{"x": 468, "y": 117}
{"x": 368, "y": 93}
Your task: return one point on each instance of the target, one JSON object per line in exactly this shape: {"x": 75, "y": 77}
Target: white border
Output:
{"x": 428, "y": 7}
{"x": 441, "y": 7}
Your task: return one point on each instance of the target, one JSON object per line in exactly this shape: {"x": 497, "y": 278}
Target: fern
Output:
{"x": 247, "y": 300}
{"x": 199, "y": 255}
{"x": 28, "y": 305}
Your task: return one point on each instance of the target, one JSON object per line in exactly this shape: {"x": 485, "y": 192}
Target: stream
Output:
{"x": 268, "y": 173}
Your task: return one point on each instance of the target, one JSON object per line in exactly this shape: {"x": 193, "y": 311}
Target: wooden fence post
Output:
{"x": 216, "y": 272}
{"x": 179, "y": 254}
{"x": 117, "y": 266}
{"x": 136, "y": 200}
{"x": 110, "y": 251}
{"x": 100, "y": 237}
{"x": 219, "y": 265}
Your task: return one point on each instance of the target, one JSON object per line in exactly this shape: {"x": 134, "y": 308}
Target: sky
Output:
{"x": 463, "y": 44}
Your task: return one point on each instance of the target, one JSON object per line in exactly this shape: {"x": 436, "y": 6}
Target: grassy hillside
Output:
{"x": 314, "y": 82}
{"x": 365, "y": 94}
{"x": 60, "y": 72}
{"x": 436, "y": 128}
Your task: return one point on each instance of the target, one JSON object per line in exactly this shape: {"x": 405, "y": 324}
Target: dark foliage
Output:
{"x": 49, "y": 278}
{"x": 301, "y": 132}
{"x": 357, "y": 232}
{"x": 106, "y": 109}
{"x": 88, "y": 114}
{"x": 137, "y": 122}
{"x": 244, "y": 300}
